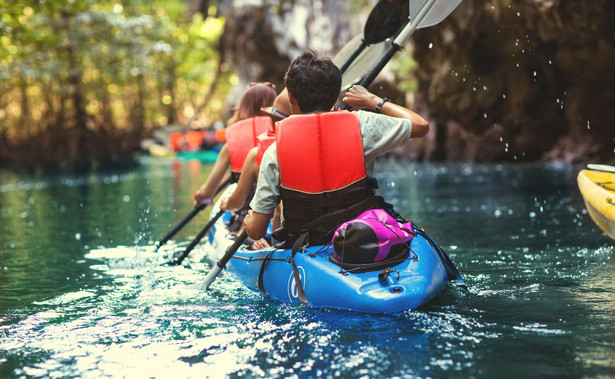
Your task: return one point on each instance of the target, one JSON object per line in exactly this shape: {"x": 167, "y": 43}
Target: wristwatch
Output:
{"x": 380, "y": 104}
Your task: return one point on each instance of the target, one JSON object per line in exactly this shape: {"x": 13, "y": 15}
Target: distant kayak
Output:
{"x": 205, "y": 156}
{"x": 598, "y": 190}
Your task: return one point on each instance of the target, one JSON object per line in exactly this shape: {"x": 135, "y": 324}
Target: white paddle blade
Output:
{"x": 600, "y": 167}
{"x": 437, "y": 11}
{"x": 362, "y": 64}
{"x": 211, "y": 276}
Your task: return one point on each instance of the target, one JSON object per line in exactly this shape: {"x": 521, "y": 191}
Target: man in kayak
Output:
{"x": 321, "y": 162}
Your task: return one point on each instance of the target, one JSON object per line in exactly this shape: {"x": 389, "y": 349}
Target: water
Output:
{"x": 82, "y": 293}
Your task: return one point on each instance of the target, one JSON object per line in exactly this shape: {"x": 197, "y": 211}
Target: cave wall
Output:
{"x": 262, "y": 37}
{"x": 522, "y": 80}
{"x": 499, "y": 80}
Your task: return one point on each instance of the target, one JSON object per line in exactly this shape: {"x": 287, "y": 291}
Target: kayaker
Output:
{"x": 232, "y": 154}
{"x": 249, "y": 173}
{"x": 321, "y": 161}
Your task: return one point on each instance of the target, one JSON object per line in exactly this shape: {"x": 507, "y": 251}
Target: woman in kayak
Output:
{"x": 321, "y": 163}
{"x": 249, "y": 172}
{"x": 256, "y": 96}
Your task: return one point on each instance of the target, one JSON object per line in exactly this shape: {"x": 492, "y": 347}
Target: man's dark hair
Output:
{"x": 314, "y": 81}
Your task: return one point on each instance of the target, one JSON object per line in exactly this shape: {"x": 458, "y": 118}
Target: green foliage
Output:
{"x": 403, "y": 67}
{"x": 126, "y": 65}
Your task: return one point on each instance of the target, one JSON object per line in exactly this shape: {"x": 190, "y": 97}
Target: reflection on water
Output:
{"x": 82, "y": 292}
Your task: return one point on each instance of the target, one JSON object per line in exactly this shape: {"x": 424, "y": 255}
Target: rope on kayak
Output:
{"x": 385, "y": 274}
{"x": 323, "y": 249}
{"x": 606, "y": 186}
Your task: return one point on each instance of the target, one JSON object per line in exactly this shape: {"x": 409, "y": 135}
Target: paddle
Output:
{"x": 384, "y": 20}
{"x": 190, "y": 216}
{"x": 362, "y": 64}
{"x": 220, "y": 265}
{"x": 196, "y": 240}
{"x": 601, "y": 167}
{"x": 449, "y": 266}
{"x": 423, "y": 13}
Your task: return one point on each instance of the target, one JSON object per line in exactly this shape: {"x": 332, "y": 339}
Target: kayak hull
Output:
{"x": 598, "y": 190}
{"x": 408, "y": 285}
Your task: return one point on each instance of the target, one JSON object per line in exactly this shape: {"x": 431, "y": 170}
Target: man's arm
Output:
{"x": 249, "y": 176}
{"x": 359, "y": 97}
{"x": 208, "y": 189}
{"x": 256, "y": 224}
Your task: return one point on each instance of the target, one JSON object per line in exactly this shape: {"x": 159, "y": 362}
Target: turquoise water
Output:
{"x": 82, "y": 294}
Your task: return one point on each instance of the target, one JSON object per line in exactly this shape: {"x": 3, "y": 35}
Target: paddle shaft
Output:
{"x": 399, "y": 41}
{"x": 181, "y": 224}
{"x": 221, "y": 264}
{"x": 196, "y": 240}
{"x": 190, "y": 216}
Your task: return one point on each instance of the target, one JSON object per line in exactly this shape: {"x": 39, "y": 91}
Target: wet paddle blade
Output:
{"x": 385, "y": 20}
{"x": 217, "y": 268}
{"x": 437, "y": 11}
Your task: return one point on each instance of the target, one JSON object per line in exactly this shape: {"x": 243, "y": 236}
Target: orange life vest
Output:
{"x": 263, "y": 142}
{"x": 320, "y": 152}
{"x": 241, "y": 137}
{"x": 322, "y": 172}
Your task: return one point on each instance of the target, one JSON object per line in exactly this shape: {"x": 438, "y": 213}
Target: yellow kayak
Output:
{"x": 598, "y": 190}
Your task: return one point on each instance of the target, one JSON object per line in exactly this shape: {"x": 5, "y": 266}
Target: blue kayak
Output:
{"x": 404, "y": 285}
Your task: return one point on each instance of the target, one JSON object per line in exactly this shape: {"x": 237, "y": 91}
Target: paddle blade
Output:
{"x": 437, "y": 11}
{"x": 211, "y": 276}
{"x": 362, "y": 64}
{"x": 600, "y": 167}
{"x": 385, "y": 19}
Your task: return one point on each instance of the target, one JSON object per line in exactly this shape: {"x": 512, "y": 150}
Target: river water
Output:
{"x": 82, "y": 294}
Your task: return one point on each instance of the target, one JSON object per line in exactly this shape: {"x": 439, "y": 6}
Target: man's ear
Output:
{"x": 294, "y": 106}
{"x": 291, "y": 98}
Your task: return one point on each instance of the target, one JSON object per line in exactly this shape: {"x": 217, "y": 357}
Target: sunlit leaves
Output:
{"x": 143, "y": 56}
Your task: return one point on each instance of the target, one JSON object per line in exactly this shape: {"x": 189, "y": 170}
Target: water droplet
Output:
{"x": 430, "y": 45}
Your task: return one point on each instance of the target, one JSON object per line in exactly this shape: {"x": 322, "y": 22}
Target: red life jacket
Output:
{"x": 241, "y": 138}
{"x": 322, "y": 172}
{"x": 263, "y": 142}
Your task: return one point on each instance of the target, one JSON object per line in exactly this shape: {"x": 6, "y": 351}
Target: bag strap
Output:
{"x": 261, "y": 286}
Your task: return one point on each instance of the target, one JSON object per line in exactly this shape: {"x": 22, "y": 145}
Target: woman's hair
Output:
{"x": 314, "y": 81}
{"x": 257, "y": 96}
